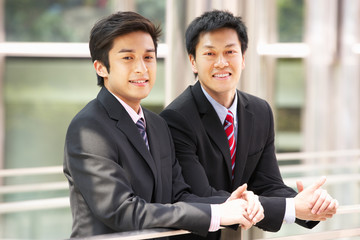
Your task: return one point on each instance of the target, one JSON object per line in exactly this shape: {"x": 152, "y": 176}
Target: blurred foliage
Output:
{"x": 290, "y": 20}
{"x": 52, "y": 20}
{"x": 67, "y": 20}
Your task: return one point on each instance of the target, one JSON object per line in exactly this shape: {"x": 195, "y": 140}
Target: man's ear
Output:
{"x": 193, "y": 63}
{"x": 100, "y": 69}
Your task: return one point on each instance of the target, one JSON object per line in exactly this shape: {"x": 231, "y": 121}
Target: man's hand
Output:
{"x": 234, "y": 212}
{"x": 314, "y": 203}
{"x": 254, "y": 208}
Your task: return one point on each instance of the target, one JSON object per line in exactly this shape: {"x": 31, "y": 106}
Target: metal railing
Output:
{"x": 164, "y": 232}
{"x": 63, "y": 202}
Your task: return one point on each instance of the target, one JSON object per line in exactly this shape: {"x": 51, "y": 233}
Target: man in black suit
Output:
{"x": 119, "y": 157}
{"x": 216, "y": 43}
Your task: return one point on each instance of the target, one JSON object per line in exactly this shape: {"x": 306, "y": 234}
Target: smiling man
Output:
{"x": 225, "y": 137}
{"x": 119, "y": 157}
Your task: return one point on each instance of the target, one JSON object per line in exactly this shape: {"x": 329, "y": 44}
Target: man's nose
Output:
{"x": 221, "y": 62}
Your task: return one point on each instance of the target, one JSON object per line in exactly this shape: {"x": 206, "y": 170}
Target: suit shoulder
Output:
{"x": 154, "y": 117}
{"x": 92, "y": 114}
{"x": 184, "y": 105}
{"x": 252, "y": 101}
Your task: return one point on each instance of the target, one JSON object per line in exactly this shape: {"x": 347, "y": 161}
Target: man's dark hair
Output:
{"x": 213, "y": 20}
{"x": 106, "y": 30}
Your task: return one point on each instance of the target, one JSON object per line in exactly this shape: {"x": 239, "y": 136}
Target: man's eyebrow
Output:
{"x": 125, "y": 50}
{"x": 228, "y": 45}
{"x": 208, "y": 46}
{"x": 231, "y": 45}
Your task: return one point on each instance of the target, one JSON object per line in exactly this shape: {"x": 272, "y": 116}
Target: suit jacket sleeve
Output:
{"x": 100, "y": 186}
{"x": 267, "y": 182}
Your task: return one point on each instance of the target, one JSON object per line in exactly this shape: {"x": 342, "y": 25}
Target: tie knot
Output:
{"x": 229, "y": 117}
{"x": 140, "y": 124}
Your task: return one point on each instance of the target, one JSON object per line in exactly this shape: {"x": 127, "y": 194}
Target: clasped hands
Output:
{"x": 242, "y": 207}
{"x": 314, "y": 203}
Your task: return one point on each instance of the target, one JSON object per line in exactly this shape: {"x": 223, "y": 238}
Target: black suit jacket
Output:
{"x": 203, "y": 152}
{"x": 116, "y": 184}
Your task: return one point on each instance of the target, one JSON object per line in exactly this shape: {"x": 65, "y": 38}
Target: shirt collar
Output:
{"x": 134, "y": 115}
{"x": 220, "y": 109}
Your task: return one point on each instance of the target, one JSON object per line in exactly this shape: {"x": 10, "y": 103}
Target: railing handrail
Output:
{"x": 37, "y": 187}
{"x": 280, "y": 157}
{"x": 320, "y": 154}
{"x": 63, "y": 185}
{"x": 56, "y": 49}
{"x": 31, "y": 171}
{"x": 61, "y": 202}
{"x": 140, "y": 234}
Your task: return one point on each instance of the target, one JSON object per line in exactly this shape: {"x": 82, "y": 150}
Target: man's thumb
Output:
{"x": 318, "y": 183}
{"x": 300, "y": 186}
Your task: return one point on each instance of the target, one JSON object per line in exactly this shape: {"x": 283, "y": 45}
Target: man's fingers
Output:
{"x": 326, "y": 204}
{"x": 319, "y": 201}
{"x": 245, "y": 223}
{"x": 259, "y": 215}
{"x": 315, "y": 196}
{"x": 251, "y": 199}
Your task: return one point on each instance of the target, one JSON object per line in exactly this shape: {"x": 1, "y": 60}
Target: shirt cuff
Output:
{"x": 215, "y": 218}
{"x": 290, "y": 214}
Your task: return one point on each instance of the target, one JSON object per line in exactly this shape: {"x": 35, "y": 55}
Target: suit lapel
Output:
{"x": 152, "y": 133}
{"x": 212, "y": 124}
{"x": 245, "y": 129}
{"x": 117, "y": 112}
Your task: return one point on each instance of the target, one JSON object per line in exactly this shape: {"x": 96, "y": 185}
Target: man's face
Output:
{"x": 219, "y": 62}
{"x": 132, "y": 61}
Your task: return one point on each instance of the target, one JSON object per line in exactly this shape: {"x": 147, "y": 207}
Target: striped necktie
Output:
{"x": 141, "y": 126}
{"x": 229, "y": 130}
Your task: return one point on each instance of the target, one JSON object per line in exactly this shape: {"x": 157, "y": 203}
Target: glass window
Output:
{"x": 289, "y": 103}
{"x": 290, "y": 19}
{"x": 40, "y": 224}
{"x": 154, "y": 10}
{"x": 52, "y": 21}
{"x": 41, "y": 97}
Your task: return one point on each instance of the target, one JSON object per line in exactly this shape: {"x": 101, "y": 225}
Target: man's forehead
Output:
{"x": 218, "y": 38}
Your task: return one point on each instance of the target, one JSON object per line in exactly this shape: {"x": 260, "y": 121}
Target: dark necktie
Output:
{"x": 229, "y": 130}
{"x": 141, "y": 126}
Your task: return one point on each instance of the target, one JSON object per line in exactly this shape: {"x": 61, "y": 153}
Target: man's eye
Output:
{"x": 127, "y": 58}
